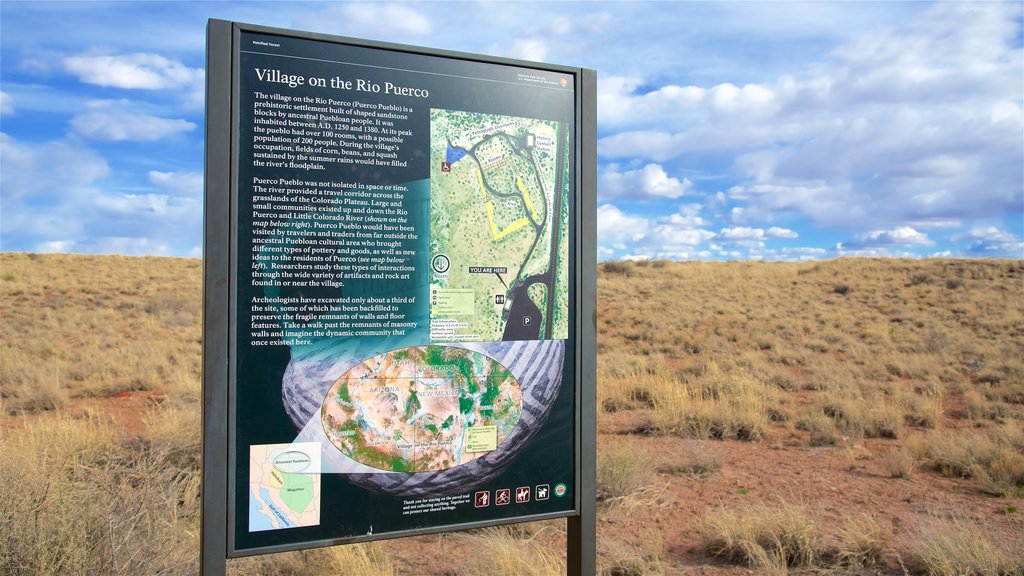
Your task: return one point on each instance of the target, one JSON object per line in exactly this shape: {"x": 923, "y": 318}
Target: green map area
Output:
{"x": 284, "y": 486}
{"x": 498, "y": 227}
{"x": 422, "y": 409}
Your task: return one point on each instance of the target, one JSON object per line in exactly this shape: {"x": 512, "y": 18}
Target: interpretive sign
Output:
{"x": 399, "y": 285}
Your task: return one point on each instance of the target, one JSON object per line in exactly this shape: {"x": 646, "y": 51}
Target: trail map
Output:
{"x": 498, "y": 228}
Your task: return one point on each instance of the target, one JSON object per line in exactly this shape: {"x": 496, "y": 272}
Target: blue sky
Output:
{"x": 727, "y": 131}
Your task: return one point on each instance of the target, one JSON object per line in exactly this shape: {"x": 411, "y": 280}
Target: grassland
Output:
{"x": 850, "y": 416}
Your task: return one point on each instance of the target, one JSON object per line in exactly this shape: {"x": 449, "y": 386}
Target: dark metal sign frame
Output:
{"x": 221, "y": 293}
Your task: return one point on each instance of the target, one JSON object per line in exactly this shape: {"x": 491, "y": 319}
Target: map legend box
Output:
{"x": 481, "y": 438}
{"x": 451, "y": 302}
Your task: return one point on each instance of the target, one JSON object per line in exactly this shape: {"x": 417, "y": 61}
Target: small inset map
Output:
{"x": 284, "y": 486}
{"x": 499, "y": 225}
{"x": 420, "y": 409}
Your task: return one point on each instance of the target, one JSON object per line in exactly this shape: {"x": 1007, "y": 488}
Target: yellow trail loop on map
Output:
{"x": 514, "y": 226}
{"x": 480, "y": 179}
{"x": 527, "y": 199}
{"x": 495, "y": 234}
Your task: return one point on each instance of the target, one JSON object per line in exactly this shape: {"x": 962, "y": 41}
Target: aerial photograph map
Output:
{"x": 420, "y": 409}
{"x": 498, "y": 227}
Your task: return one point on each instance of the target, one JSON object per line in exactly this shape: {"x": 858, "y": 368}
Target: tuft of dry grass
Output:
{"x": 88, "y": 326}
{"x": 701, "y": 460}
{"x": 900, "y": 463}
{"x": 769, "y": 537}
{"x": 721, "y": 404}
{"x": 78, "y": 499}
{"x": 645, "y": 558}
{"x": 370, "y": 559}
{"x": 511, "y": 550}
{"x": 958, "y": 547}
{"x": 623, "y": 473}
{"x": 862, "y": 542}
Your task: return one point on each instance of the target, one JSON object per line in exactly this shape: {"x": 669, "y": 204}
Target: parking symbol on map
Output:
{"x": 543, "y": 492}
{"x": 522, "y": 495}
{"x": 502, "y": 497}
{"x": 482, "y": 499}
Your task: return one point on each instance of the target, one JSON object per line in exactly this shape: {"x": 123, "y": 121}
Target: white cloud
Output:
{"x": 54, "y": 199}
{"x": 741, "y": 233}
{"x": 900, "y": 236}
{"x": 6, "y": 104}
{"x": 746, "y": 233}
{"x": 915, "y": 124}
{"x": 178, "y": 183}
{"x": 675, "y": 236}
{"x": 56, "y": 246}
{"x": 107, "y": 120}
{"x": 542, "y": 38}
{"x": 140, "y": 70}
{"x": 688, "y": 216}
{"x": 776, "y": 232}
{"x": 651, "y": 180}
{"x": 614, "y": 227}
{"x": 45, "y": 173}
{"x": 127, "y": 245}
{"x": 668, "y": 237}
{"x": 992, "y": 242}
{"x": 368, "y": 19}
{"x": 535, "y": 49}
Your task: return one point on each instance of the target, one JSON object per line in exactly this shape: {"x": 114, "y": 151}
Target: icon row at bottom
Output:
{"x": 522, "y": 495}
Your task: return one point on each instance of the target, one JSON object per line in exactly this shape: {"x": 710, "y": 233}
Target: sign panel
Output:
{"x": 402, "y": 259}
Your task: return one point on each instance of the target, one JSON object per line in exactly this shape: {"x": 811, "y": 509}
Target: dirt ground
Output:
{"x": 833, "y": 482}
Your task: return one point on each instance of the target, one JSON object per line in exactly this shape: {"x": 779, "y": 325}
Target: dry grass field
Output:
{"x": 841, "y": 417}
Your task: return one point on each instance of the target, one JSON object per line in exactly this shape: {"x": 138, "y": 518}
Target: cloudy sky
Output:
{"x": 778, "y": 131}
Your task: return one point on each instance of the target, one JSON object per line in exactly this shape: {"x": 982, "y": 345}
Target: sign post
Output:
{"x": 399, "y": 277}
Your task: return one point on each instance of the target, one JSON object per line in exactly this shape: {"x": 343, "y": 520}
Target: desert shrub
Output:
{"x": 977, "y": 407}
{"x": 959, "y": 548}
{"x": 617, "y": 268}
{"x": 921, "y": 278}
{"x": 862, "y": 542}
{"x": 957, "y": 455}
{"x": 1003, "y": 475}
{"x": 925, "y": 408}
{"x": 763, "y": 536}
{"x": 626, "y": 559}
{"x": 701, "y": 459}
{"x": 821, "y": 428}
{"x": 370, "y": 559}
{"x": 507, "y": 550}
{"x": 77, "y": 499}
{"x": 722, "y": 404}
{"x": 623, "y": 472}
{"x": 900, "y": 464}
